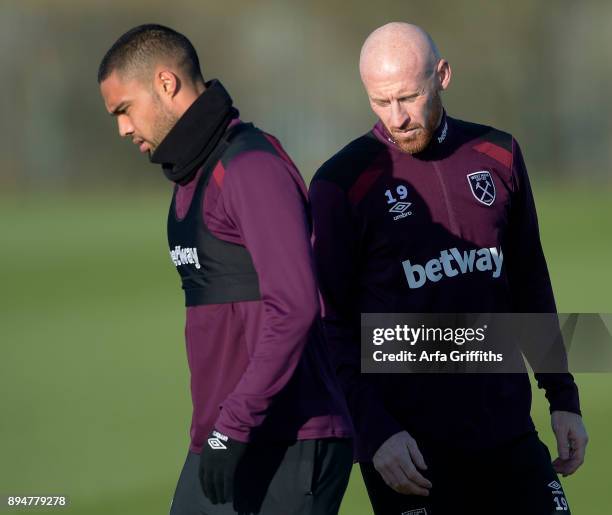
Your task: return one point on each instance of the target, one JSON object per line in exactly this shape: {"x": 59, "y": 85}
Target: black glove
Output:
{"x": 218, "y": 461}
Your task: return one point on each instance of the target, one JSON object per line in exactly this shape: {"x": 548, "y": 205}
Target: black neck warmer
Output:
{"x": 196, "y": 134}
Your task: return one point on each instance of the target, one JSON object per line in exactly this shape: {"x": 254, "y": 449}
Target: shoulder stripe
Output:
{"x": 489, "y": 141}
{"x": 498, "y": 138}
{"x": 347, "y": 167}
{"x": 363, "y": 183}
{"x": 218, "y": 174}
{"x": 496, "y": 152}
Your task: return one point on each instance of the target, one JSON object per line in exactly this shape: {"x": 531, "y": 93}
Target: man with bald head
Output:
{"x": 403, "y": 58}
{"x": 269, "y": 431}
{"x": 398, "y": 212}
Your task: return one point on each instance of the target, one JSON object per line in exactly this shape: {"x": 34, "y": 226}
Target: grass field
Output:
{"x": 95, "y": 392}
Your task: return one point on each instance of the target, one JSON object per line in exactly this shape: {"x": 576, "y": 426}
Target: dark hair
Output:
{"x": 143, "y": 45}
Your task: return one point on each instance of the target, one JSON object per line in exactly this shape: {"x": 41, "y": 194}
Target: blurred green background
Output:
{"x": 95, "y": 388}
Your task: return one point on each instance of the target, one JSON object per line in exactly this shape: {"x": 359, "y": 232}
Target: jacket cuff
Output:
{"x": 234, "y": 434}
{"x": 564, "y": 398}
{"x": 369, "y": 440}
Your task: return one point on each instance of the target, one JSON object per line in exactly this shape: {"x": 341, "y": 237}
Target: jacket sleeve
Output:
{"x": 267, "y": 203}
{"x": 530, "y": 285}
{"x": 336, "y": 251}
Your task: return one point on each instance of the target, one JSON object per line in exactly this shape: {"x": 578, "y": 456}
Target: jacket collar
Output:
{"x": 438, "y": 141}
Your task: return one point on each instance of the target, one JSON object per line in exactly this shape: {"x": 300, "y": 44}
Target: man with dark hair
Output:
{"x": 270, "y": 428}
{"x": 140, "y": 48}
{"x": 395, "y": 212}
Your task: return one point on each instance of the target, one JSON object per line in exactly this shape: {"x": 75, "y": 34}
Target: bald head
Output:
{"x": 398, "y": 47}
{"x": 404, "y": 75}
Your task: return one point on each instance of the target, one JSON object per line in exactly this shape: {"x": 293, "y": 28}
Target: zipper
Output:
{"x": 449, "y": 209}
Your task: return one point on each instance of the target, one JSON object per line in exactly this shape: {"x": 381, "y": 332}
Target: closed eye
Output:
{"x": 380, "y": 102}
{"x": 120, "y": 109}
{"x": 409, "y": 98}
{"x": 405, "y": 99}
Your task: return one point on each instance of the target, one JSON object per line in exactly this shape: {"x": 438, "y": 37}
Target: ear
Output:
{"x": 444, "y": 73}
{"x": 167, "y": 83}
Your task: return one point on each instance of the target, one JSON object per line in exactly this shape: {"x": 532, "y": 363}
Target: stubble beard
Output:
{"x": 165, "y": 120}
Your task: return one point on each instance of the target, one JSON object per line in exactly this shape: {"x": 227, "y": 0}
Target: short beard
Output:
{"x": 164, "y": 121}
{"x": 421, "y": 140}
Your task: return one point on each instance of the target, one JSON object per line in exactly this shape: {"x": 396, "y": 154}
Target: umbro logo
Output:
{"x": 420, "y": 511}
{"x": 554, "y": 485}
{"x": 401, "y": 208}
{"x": 442, "y": 135}
{"x": 215, "y": 443}
{"x": 217, "y": 439}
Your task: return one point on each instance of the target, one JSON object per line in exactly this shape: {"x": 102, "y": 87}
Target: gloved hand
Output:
{"x": 218, "y": 461}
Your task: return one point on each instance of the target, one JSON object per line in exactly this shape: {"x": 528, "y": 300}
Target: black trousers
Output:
{"x": 307, "y": 477}
{"x": 516, "y": 479}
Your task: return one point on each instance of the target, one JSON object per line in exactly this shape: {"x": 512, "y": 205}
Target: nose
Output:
{"x": 125, "y": 126}
{"x": 399, "y": 115}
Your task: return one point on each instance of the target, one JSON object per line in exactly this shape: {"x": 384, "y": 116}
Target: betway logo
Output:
{"x": 452, "y": 262}
{"x": 187, "y": 256}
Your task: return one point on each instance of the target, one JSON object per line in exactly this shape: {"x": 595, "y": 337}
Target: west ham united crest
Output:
{"x": 481, "y": 184}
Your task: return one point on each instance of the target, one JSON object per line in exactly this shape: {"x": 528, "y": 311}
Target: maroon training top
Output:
{"x": 452, "y": 229}
{"x": 260, "y": 369}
